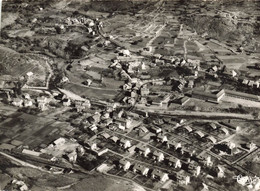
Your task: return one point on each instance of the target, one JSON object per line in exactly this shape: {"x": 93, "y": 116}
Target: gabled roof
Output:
{"x": 140, "y": 167}
{"x": 212, "y": 139}
{"x": 157, "y": 153}
{"x": 123, "y": 161}
{"x": 188, "y": 128}
{"x": 201, "y": 134}
{"x": 114, "y": 138}
{"x": 173, "y": 159}
{"x": 105, "y": 135}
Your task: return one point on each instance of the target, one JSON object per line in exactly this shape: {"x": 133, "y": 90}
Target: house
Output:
{"x": 188, "y": 151}
{"x": 94, "y": 118}
{"x": 213, "y": 126}
{"x": 28, "y": 103}
{"x": 125, "y": 143}
{"x": 159, "y": 156}
{"x": 256, "y": 84}
{"x": 26, "y": 96}
{"x": 102, "y": 151}
{"x": 212, "y": 139}
{"x": 105, "y": 135}
{"x": 144, "y": 91}
{"x": 173, "y": 143}
{"x": 81, "y": 106}
{"x": 143, "y": 129}
{"x": 172, "y": 161}
{"x": 250, "y": 146}
{"x": 188, "y": 128}
{"x": 29, "y": 74}
{"x": 191, "y": 84}
{"x": 224, "y": 130}
{"x": 197, "y": 171}
{"x": 124, "y": 122}
{"x": 42, "y": 101}
{"x": 72, "y": 157}
{"x": 157, "y": 174}
{"x": 208, "y": 161}
{"x": 143, "y": 150}
{"x": 125, "y": 164}
{"x": 220, "y": 172}
{"x": 93, "y": 127}
{"x": 155, "y": 129}
{"x": 17, "y": 102}
{"x": 92, "y": 145}
{"x": 114, "y": 139}
{"x": 66, "y": 102}
{"x": 199, "y": 134}
{"x": 161, "y": 138}
{"x": 251, "y": 83}
{"x": 119, "y": 126}
{"x": 158, "y": 56}
{"x": 132, "y": 149}
{"x": 138, "y": 168}
{"x": 182, "y": 178}
{"x": 60, "y": 141}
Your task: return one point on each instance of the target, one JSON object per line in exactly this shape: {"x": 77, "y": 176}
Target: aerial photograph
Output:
{"x": 129, "y": 95}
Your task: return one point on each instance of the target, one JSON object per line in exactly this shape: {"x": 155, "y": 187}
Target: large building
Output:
{"x": 229, "y": 93}
{"x": 208, "y": 96}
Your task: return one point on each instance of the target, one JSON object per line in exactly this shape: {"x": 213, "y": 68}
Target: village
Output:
{"x": 159, "y": 104}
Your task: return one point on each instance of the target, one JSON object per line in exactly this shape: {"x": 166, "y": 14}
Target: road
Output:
{"x": 197, "y": 114}
{"x": 22, "y": 162}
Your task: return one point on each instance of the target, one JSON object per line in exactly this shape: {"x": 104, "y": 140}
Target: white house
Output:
{"x": 125, "y": 143}
{"x": 159, "y": 156}
{"x": 125, "y": 164}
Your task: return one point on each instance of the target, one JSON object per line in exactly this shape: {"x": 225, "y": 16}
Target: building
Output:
{"x": 172, "y": 161}
{"x": 81, "y": 106}
{"x": 114, "y": 139}
{"x": 182, "y": 178}
{"x": 159, "y": 156}
{"x": 138, "y": 168}
{"x": 125, "y": 143}
{"x": 42, "y": 101}
{"x": 92, "y": 145}
{"x": 174, "y": 144}
{"x": 17, "y": 102}
{"x": 184, "y": 100}
{"x": 125, "y": 164}
{"x": 161, "y": 138}
{"x": 224, "y": 130}
{"x": 157, "y": 174}
{"x": 144, "y": 91}
{"x": 132, "y": 149}
{"x": 212, "y": 139}
{"x": 156, "y": 130}
{"x": 66, "y": 102}
{"x": 199, "y": 134}
{"x": 215, "y": 98}
{"x": 241, "y": 95}
{"x": 213, "y": 126}
{"x": 143, "y": 150}
{"x": 72, "y": 157}
{"x": 28, "y": 103}
{"x": 188, "y": 128}
{"x": 105, "y": 135}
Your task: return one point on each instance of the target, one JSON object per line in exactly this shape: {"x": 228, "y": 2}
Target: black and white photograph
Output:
{"x": 129, "y": 95}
